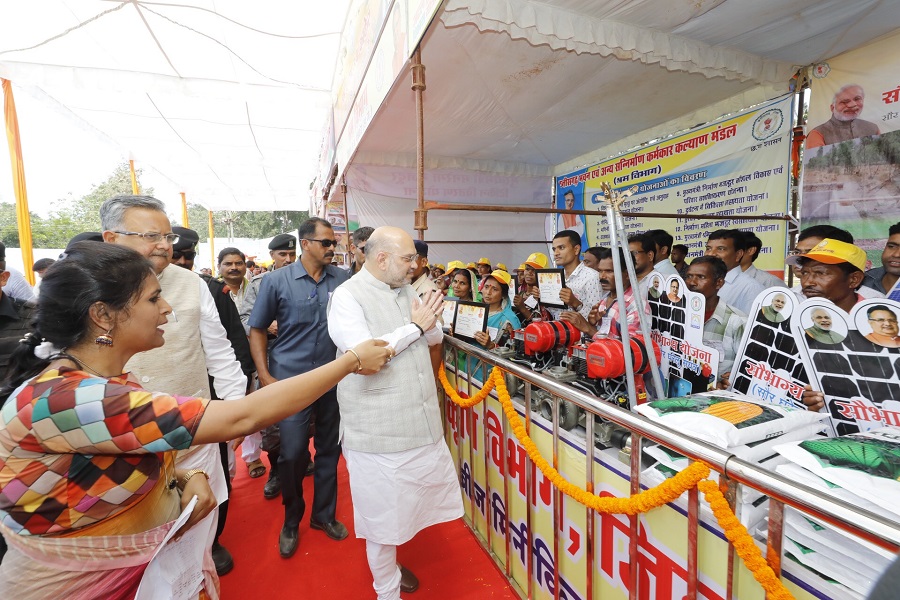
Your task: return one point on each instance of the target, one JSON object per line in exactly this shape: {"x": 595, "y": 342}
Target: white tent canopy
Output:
{"x": 229, "y": 99}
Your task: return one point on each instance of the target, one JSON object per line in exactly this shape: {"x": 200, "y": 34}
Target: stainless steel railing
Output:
{"x": 781, "y": 491}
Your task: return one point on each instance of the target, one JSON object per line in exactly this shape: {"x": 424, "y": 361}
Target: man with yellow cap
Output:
{"x": 832, "y": 270}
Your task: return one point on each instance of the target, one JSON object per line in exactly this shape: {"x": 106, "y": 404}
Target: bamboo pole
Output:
{"x": 23, "y": 216}
{"x": 134, "y": 184}
{"x": 184, "y": 213}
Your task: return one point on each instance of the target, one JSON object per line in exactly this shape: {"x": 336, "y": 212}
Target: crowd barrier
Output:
{"x": 552, "y": 546}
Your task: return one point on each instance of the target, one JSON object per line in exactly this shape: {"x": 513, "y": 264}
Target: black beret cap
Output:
{"x": 283, "y": 241}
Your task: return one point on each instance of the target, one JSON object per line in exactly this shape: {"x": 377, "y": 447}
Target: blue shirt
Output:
{"x": 740, "y": 290}
{"x": 299, "y": 304}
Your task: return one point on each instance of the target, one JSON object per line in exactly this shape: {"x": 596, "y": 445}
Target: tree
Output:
{"x": 85, "y": 211}
{"x": 69, "y": 216}
{"x": 243, "y": 224}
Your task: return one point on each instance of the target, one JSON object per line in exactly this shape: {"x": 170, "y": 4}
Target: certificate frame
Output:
{"x": 557, "y": 275}
{"x": 481, "y": 317}
{"x": 445, "y": 307}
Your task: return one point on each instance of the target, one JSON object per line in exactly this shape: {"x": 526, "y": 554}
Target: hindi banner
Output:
{"x": 731, "y": 167}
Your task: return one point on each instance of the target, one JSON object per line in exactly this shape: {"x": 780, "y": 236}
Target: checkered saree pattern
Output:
{"x": 76, "y": 449}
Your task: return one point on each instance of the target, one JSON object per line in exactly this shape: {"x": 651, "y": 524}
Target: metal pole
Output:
{"x": 565, "y": 211}
{"x": 418, "y": 87}
{"x": 642, "y": 316}
{"x": 557, "y": 499}
{"x": 615, "y": 243}
{"x": 591, "y": 515}
{"x": 212, "y": 242}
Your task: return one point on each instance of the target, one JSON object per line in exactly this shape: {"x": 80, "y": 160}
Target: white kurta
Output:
{"x": 396, "y": 494}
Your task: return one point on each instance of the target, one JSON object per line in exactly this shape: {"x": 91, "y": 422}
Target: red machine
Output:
{"x": 606, "y": 358}
{"x": 544, "y": 336}
{"x": 601, "y": 368}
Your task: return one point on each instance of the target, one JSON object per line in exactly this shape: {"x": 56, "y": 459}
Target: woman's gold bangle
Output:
{"x": 358, "y": 360}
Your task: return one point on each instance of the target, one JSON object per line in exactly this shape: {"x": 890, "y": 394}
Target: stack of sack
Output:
{"x": 861, "y": 469}
{"x": 742, "y": 426}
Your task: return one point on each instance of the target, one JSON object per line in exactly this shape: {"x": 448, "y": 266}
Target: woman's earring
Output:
{"x": 104, "y": 339}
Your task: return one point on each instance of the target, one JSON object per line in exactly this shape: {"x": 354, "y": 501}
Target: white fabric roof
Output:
{"x": 225, "y": 98}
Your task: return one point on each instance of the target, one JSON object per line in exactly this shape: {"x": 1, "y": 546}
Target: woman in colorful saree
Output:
{"x": 88, "y": 484}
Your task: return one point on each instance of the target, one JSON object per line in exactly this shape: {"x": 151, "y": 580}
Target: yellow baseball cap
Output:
{"x": 502, "y": 267}
{"x": 522, "y": 267}
{"x": 484, "y": 261}
{"x": 833, "y": 252}
{"x": 454, "y": 265}
{"x": 439, "y": 266}
{"x": 501, "y": 276}
{"x": 471, "y": 265}
{"x": 537, "y": 260}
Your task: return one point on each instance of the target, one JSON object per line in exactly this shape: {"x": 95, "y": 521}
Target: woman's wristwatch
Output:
{"x": 187, "y": 476}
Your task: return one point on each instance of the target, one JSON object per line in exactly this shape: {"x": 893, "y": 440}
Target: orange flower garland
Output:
{"x": 468, "y": 402}
{"x": 694, "y": 476}
{"x": 743, "y": 544}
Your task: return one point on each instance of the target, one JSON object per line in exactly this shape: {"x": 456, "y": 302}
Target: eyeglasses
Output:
{"x": 409, "y": 258}
{"x": 325, "y": 243}
{"x": 891, "y": 321}
{"x": 188, "y": 254}
{"x": 153, "y": 238}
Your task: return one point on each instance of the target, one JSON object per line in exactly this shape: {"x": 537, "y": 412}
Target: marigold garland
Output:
{"x": 694, "y": 476}
{"x": 743, "y": 544}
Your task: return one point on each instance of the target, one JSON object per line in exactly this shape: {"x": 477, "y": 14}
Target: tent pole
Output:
{"x": 23, "y": 217}
{"x": 184, "y": 213}
{"x": 212, "y": 243}
{"x": 134, "y": 185}
{"x": 418, "y": 87}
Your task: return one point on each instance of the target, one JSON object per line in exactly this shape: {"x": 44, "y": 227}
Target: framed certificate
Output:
{"x": 471, "y": 317}
{"x": 448, "y": 311}
{"x": 551, "y": 282}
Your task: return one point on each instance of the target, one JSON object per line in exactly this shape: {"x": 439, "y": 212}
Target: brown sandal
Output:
{"x": 256, "y": 468}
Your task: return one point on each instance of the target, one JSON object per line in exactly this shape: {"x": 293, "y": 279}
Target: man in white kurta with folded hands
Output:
{"x": 401, "y": 473}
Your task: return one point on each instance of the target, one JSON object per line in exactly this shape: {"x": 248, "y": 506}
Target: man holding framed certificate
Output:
{"x": 582, "y": 285}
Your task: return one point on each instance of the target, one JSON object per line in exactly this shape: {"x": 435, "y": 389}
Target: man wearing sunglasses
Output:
{"x": 296, "y": 296}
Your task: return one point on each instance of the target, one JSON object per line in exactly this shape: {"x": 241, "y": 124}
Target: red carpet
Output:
{"x": 446, "y": 558}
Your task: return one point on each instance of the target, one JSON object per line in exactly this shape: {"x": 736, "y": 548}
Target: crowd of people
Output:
{"x": 825, "y": 263}
{"x": 101, "y": 438}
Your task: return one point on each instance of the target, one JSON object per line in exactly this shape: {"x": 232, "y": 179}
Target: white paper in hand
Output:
{"x": 176, "y": 570}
